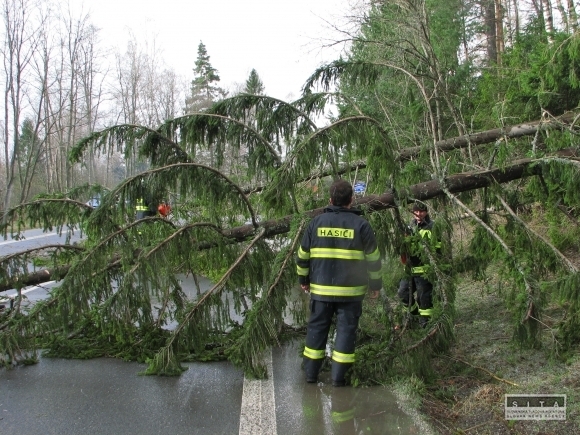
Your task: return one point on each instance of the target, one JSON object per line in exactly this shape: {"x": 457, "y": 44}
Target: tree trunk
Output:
{"x": 563, "y": 15}
{"x": 549, "y": 20}
{"x": 510, "y": 132}
{"x": 573, "y": 16}
{"x": 490, "y": 30}
{"x": 499, "y": 30}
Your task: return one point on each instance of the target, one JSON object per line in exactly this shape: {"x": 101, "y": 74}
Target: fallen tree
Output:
{"x": 252, "y": 265}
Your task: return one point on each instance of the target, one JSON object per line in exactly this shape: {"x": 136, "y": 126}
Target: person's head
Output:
{"x": 420, "y": 211}
{"x": 341, "y": 193}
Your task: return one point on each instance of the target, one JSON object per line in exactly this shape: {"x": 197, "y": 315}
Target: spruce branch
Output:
{"x": 555, "y": 250}
{"x": 214, "y": 290}
{"x": 528, "y": 286}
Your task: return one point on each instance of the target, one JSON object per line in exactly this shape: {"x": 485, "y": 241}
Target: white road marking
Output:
{"x": 6, "y": 242}
{"x": 258, "y": 413}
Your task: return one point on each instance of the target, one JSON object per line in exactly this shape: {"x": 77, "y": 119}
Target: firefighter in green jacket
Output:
{"x": 338, "y": 262}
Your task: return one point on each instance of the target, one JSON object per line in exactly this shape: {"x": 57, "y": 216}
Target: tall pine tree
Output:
{"x": 204, "y": 88}
{"x": 254, "y": 84}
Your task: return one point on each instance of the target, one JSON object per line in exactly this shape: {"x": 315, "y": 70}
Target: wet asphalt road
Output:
{"x": 109, "y": 397}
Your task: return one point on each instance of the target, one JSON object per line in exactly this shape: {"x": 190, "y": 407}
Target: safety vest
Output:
{"x": 140, "y": 205}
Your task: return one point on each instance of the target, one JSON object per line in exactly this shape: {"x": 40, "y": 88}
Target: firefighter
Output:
{"x": 416, "y": 291}
{"x": 337, "y": 262}
{"x": 145, "y": 206}
{"x": 142, "y": 209}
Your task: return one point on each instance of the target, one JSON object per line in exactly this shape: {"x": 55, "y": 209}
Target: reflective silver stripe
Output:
{"x": 375, "y": 275}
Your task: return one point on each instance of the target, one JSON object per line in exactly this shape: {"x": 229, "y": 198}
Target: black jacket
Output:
{"x": 338, "y": 256}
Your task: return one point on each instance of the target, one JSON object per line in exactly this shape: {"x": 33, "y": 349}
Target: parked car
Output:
{"x": 94, "y": 202}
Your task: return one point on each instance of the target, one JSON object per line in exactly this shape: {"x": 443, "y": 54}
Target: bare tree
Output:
{"x": 17, "y": 50}
{"x": 146, "y": 91}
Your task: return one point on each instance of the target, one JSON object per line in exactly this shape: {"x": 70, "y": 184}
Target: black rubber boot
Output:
{"x": 312, "y": 368}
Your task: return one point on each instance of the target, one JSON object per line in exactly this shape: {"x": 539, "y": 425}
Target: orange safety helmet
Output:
{"x": 164, "y": 209}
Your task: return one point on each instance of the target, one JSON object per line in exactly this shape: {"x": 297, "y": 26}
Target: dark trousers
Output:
{"x": 321, "y": 315}
{"x": 423, "y": 290}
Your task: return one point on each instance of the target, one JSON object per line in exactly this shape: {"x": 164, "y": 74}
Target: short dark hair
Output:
{"x": 341, "y": 193}
{"x": 419, "y": 206}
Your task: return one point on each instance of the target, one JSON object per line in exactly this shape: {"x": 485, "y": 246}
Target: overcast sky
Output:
{"x": 281, "y": 39}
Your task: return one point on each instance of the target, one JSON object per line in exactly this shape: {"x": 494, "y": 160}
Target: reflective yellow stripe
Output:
{"x": 341, "y": 417}
{"x": 420, "y": 269}
{"x": 425, "y": 233}
{"x": 331, "y": 290}
{"x": 375, "y": 275}
{"x": 426, "y": 312}
{"x": 345, "y": 254}
{"x": 345, "y": 358}
{"x": 313, "y": 353}
{"x": 303, "y": 255}
{"x": 141, "y": 206}
{"x": 302, "y": 271}
{"x": 410, "y": 309}
{"x": 376, "y": 255}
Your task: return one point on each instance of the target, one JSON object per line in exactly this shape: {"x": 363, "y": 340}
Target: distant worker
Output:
{"x": 416, "y": 291}
{"x": 337, "y": 262}
{"x": 142, "y": 209}
{"x": 145, "y": 205}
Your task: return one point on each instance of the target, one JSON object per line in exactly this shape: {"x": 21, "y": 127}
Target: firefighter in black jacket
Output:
{"x": 422, "y": 302}
{"x": 337, "y": 262}
{"x": 145, "y": 205}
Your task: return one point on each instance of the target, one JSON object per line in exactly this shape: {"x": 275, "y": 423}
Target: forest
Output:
{"x": 471, "y": 107}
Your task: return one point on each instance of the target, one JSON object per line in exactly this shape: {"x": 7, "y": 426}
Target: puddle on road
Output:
{"x": 304, "y": 409}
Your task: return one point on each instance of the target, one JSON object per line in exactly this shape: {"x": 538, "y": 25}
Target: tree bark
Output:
{"x": 573, "y": 17}
{"x": 510, "y": 132}
{"x": 490, "y": 30}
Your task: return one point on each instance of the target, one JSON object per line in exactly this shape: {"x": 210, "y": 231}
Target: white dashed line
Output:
{"x": 258, "y": 413}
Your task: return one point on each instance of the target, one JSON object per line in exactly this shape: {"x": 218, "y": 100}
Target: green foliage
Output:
{"x": 90, "y": 341}
{"x": 534, "y": 75}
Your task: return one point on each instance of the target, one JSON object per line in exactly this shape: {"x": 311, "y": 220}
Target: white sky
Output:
{"x": 281, "y": 39}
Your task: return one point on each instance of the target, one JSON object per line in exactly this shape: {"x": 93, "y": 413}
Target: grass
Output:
{"x": 484, "y": 364}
